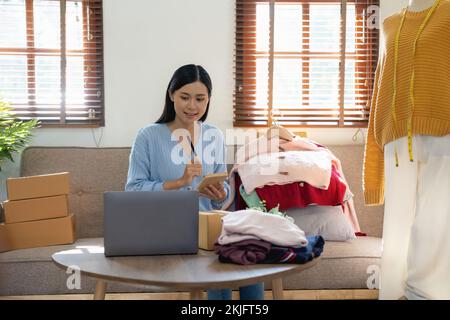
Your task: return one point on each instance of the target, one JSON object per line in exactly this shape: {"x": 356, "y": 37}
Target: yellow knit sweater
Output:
{"x": 431, "y": 114}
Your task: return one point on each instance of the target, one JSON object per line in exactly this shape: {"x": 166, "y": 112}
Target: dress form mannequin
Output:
{"x": 409, "y": 267}
{"x": 420, "y": 5}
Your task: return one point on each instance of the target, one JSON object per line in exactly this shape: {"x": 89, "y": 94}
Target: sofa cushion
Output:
{"x": 327, "y": 221}
{"x": 361, "y": 247}
{"x": 343, "y": 266}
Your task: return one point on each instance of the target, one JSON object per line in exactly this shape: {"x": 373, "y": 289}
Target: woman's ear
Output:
{"x": 171, "y": 96}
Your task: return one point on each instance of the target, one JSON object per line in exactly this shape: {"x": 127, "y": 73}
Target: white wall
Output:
{"x": 144, "y": 42}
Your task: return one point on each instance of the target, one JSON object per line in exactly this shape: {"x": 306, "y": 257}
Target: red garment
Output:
{"x": 302, "y": 194}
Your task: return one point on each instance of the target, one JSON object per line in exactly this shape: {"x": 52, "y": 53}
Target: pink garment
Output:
{"x": 348, "y": 206}
{"x": 349, "y": 210}
{"x": 299, "y": 144}
{"x": 313, "y": 167}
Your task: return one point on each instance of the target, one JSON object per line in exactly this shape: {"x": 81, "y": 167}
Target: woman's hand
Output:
{"x": 191, "y": 170}
{"x": 215, "y": 192}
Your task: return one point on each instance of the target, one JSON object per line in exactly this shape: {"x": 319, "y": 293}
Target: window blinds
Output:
{"x": 304, "y": 63}
{"x": 51, "y": 61}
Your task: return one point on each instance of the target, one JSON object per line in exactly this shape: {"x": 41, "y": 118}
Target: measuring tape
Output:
{"x": 411, "y": 82}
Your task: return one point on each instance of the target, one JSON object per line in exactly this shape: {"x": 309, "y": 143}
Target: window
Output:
{"x": 304, "y": 63}
{"x": 51, "y": 61}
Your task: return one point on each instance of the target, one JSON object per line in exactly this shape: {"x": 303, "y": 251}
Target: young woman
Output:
{"x": 176, "y": 151}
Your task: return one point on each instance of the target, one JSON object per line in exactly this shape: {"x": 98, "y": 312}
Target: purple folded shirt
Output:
{"x": 244, "y": 252}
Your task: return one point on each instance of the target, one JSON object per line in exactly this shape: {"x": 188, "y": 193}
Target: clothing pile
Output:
{"x": 252, "y": 236}
{"x": 280, "y": 172}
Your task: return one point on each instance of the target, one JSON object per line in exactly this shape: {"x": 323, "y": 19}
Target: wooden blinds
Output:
{"x": 51, "y": 61}
{"x": 305, "y": 63}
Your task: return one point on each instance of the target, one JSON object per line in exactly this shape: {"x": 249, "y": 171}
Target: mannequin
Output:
{"x": 407, "y": 151}
{"x": 419, "y": 5}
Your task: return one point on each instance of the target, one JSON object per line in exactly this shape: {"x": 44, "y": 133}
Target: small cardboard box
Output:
{"x": 35, "y": 209}
{"x": 39, "y": 233}
{"x": 38, "y": 186}
{"x": 209, "y": 229}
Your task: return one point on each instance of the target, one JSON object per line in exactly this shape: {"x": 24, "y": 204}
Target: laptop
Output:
{"x": 150, "y": 222}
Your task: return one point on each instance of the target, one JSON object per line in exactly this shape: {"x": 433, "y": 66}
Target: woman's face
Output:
{"x": 190, "y": 102}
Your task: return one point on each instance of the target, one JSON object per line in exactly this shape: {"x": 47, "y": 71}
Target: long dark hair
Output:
{"x": 184, "y": 75}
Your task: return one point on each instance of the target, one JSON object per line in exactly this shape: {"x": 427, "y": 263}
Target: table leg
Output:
{"x": 100, "y": 289}
{"x": 277, "y": 289}
{"x": 196, "y": 294}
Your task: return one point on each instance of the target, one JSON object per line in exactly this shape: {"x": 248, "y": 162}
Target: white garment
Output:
{"x": 253, "y": 224}
{"x": 313, "y": 167}
{"x": 416, "y": 229}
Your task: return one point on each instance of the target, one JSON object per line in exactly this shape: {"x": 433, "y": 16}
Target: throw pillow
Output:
{"x": 327, "y": 221}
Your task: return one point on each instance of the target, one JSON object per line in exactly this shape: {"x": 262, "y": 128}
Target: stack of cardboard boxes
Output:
{"x": 36, "y": 212}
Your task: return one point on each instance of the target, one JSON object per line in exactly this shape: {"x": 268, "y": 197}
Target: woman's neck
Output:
{"x": 193, "y": 128}
{"x": 176, "y": 124}
{"x": 420, "y": 5}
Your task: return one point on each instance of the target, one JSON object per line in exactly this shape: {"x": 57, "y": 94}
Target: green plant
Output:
{"x": 14, "y": 133}
{"x": 262, "y": 207}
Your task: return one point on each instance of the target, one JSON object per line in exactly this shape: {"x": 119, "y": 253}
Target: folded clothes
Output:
{"x": 259, "y": 251}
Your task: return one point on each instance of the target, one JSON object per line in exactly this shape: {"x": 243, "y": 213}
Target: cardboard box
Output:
{"x": 209, "y": 229}
{"x": 38, "y": 186}
{"x": 39, "y": 233}
{"x": 35, "y": 209}
{"x": 4, "y": 239}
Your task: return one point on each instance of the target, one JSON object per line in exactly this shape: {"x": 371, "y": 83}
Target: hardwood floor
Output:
{"x": 288, "y": 295}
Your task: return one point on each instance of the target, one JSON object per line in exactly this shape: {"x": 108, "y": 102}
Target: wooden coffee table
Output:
{"x": 193, "y": 273}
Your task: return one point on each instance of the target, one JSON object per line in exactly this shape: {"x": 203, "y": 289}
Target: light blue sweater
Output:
{"x": 157, "y": 157}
